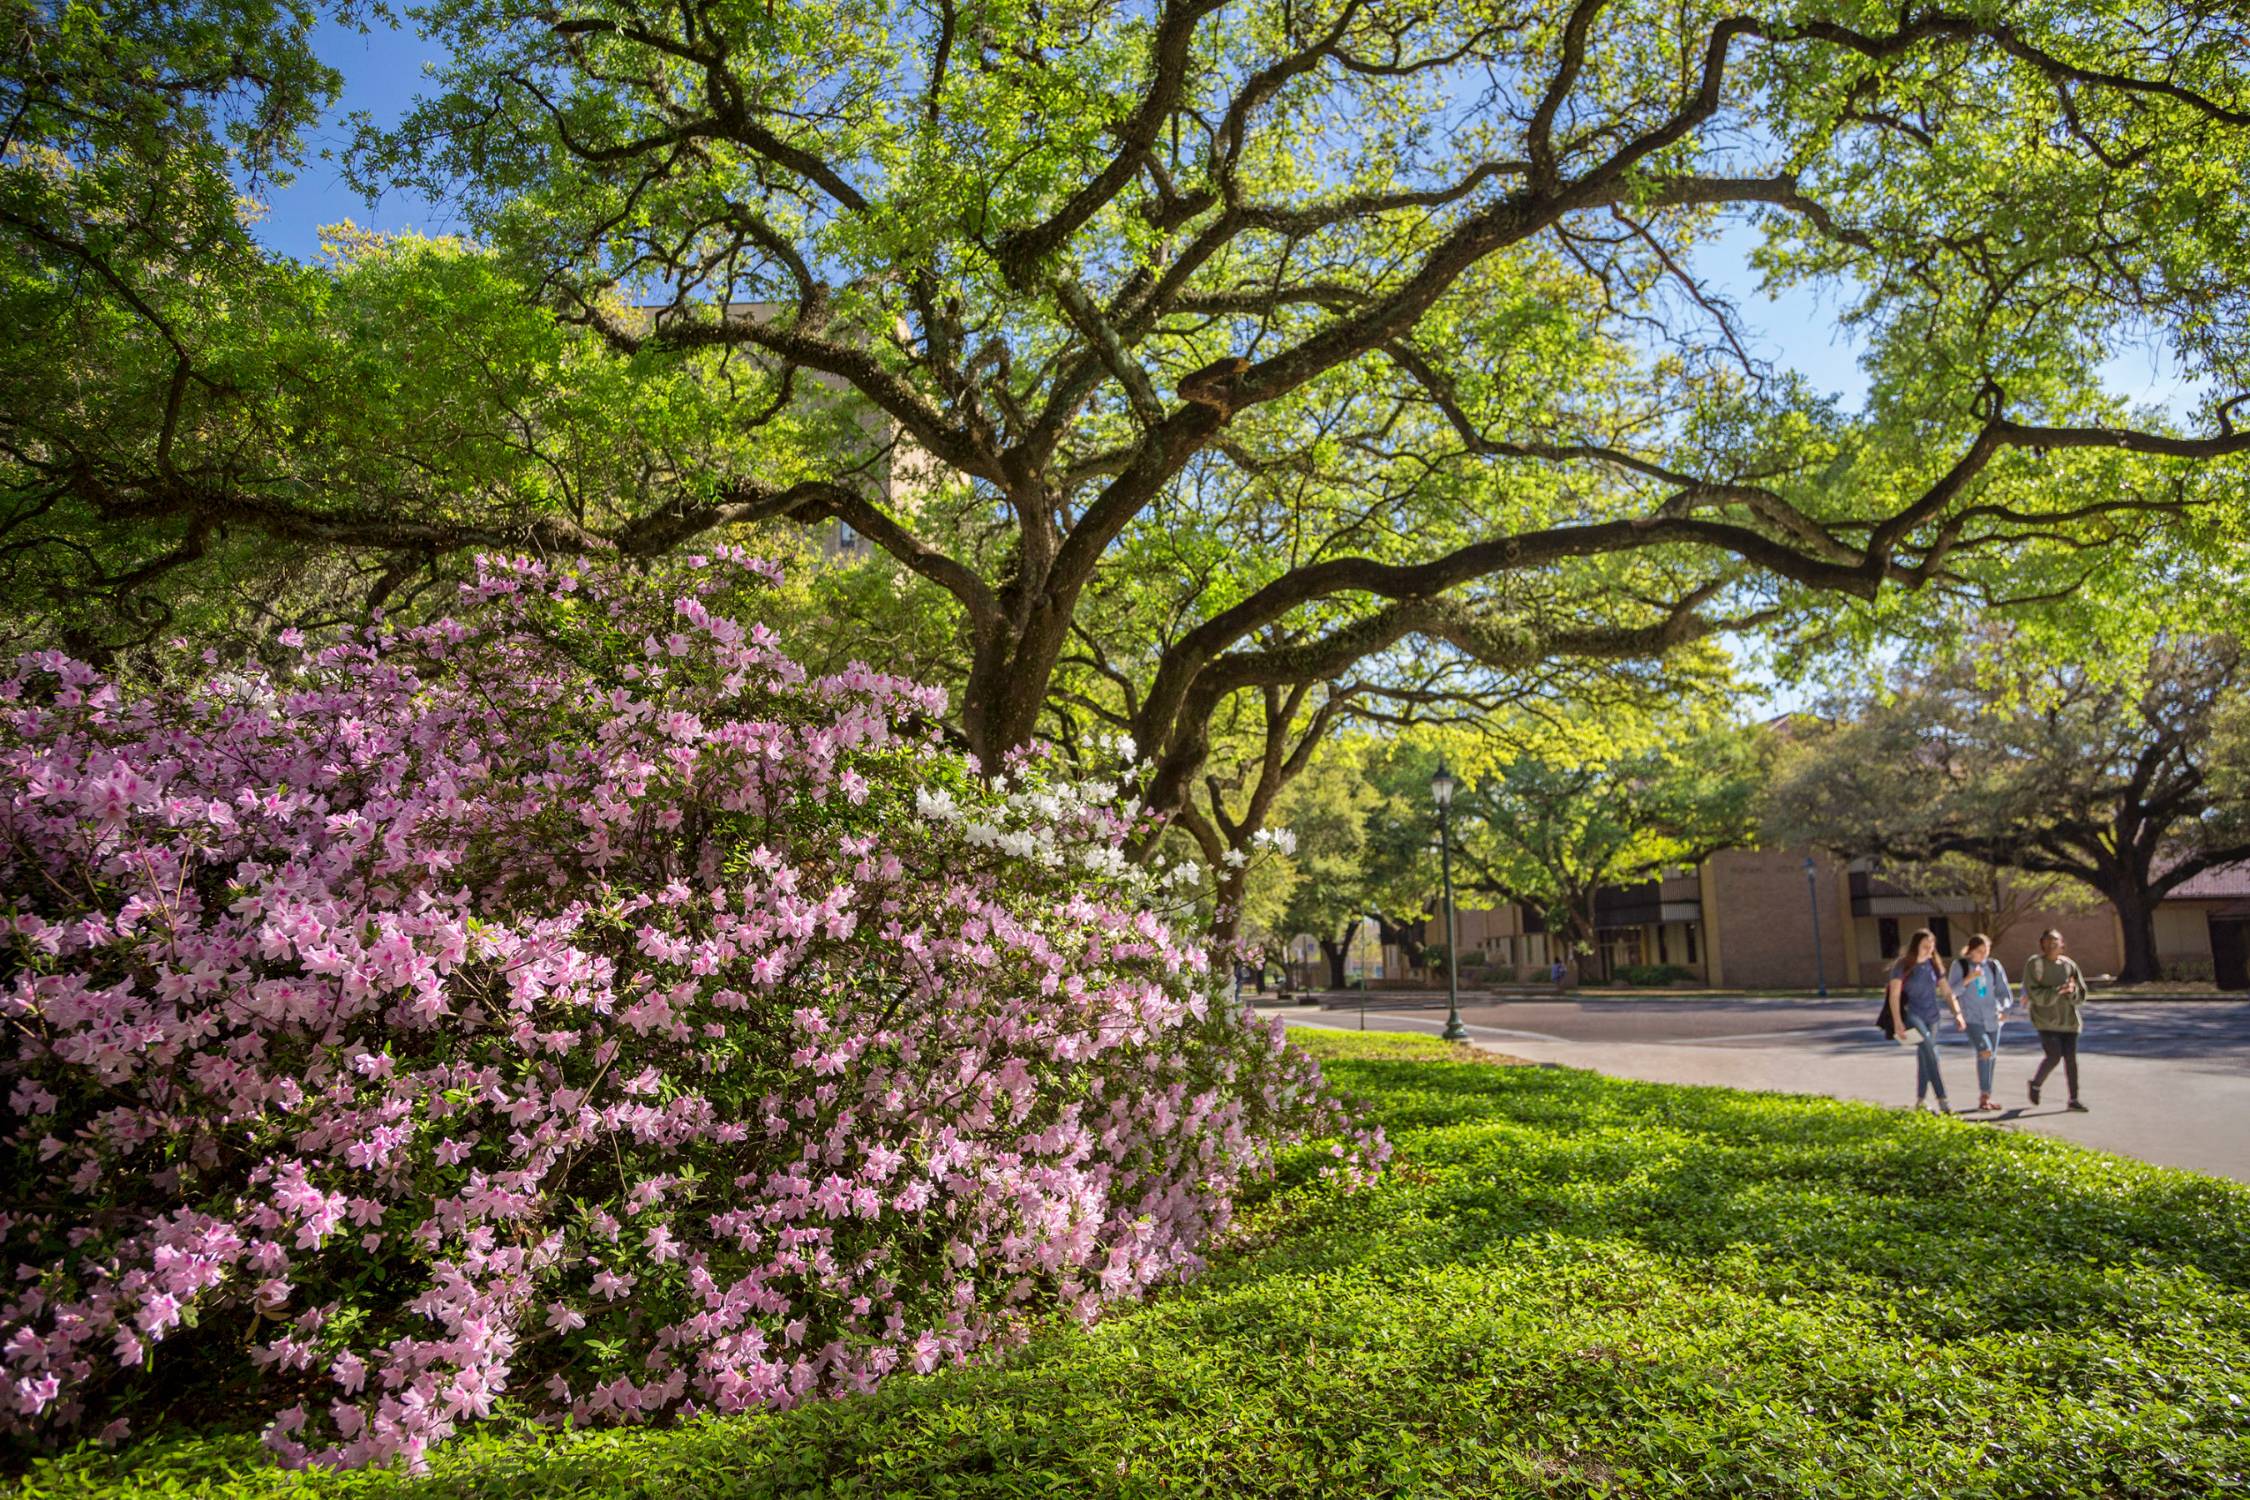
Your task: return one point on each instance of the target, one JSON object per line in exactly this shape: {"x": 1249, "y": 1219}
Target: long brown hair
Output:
{"x": 1906, "y": 955}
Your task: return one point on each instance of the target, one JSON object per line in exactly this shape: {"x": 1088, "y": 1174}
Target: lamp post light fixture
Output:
{"x": 1441, "y": 792}
{"x": 1812, "y": 892}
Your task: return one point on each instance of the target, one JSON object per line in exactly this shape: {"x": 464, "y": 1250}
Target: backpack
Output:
{"x": 1883, "y": 1009}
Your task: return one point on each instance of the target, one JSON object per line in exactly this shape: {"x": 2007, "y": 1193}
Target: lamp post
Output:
{"x": 1441, "y": 791}
{"x": 1812, "y": 892}
{"x": 1362, "y": 935}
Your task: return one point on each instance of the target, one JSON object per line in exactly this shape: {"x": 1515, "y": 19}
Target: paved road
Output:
{"x": 2166, "y": 1081}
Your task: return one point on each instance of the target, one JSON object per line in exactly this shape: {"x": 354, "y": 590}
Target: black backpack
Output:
{"x": 1883, "y": 1011}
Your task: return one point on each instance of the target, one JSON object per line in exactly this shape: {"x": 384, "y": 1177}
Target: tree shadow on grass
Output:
{"x": 1992, "y": 1232}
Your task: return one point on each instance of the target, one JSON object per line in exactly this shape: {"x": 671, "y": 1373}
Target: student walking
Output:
{"x": 2054, "y": 994}
{"x": 1914, "y": 992}
{"x": 1981, "y": 986}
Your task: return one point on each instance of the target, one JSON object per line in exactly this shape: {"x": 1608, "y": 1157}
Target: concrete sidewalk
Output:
{"x": 2180, "y": 1112}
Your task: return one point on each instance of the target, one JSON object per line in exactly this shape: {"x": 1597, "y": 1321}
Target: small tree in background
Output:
{"x": 1993, "y": 897}
{"x": 2118, "y": 782}
{"x": 1326, "y": 813}
{"x": 1552, "y": 831}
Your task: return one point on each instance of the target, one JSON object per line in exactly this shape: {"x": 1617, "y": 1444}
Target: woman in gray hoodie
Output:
{"x": 1981, "y": 985}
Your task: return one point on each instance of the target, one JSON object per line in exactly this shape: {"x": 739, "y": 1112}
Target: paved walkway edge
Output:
{"x": 2144, "y": 1107}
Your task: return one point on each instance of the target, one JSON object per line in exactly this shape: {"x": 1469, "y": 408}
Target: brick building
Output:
{"x": 1746, "y": 918}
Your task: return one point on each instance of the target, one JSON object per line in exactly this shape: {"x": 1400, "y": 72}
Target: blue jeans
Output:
{"x": 1927, "y": 1079}
{"x": 1986, "y": 1039}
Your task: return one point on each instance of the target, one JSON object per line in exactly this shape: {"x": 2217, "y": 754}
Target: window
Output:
{"x": 847, "y": 539}
{"x": 1689, "y": 932}
{"x": 1662, "y": 956}
{"x": 1944, "y": 931}
{"x": 1886, "y": 936}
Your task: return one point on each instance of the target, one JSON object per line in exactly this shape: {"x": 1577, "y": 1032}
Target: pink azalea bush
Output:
{"x": 570, "y": 1008}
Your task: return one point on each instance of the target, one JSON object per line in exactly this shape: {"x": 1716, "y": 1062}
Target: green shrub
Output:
{"x": 1567, "y": 1285}
{"x": 1647, "y": 976}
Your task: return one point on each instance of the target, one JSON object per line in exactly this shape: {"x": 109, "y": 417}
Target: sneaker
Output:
{"x": 2035, "y": 1093}
{"x": 1941, "y": 1107}
{"x": 2079, "y": 1108}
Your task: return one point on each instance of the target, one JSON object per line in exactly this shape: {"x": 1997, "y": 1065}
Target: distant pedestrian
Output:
{"x": 1918, "y": 995}
{"x": 2054, "y": 994}
{"x": 1981, "y": 986}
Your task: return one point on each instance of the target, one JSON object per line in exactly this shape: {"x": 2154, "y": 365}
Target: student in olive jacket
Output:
{"x": 2054, "y": 992}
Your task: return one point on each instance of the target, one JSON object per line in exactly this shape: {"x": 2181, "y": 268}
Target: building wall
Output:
{"x": 2183, "y": 935}
{"x": 2090, "y": 935}
{"x": 1756, "y": 930}
{"x": 1486, "y": 927}
{"x": 1757, "y": 915}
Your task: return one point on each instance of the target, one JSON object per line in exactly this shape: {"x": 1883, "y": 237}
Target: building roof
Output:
{"x": 2221, "y": 883}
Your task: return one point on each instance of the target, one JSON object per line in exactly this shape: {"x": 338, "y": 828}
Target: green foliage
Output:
{"x": 1651, "y": 975}
{"x": 1552, "y": 830}
{"x": 1326, "y": 812}
{"x": 1566, "y": 1285}
{"x": 2116, "y": 775}
{"x": 1489, "y": 413}
{"x": 408, "y": 379}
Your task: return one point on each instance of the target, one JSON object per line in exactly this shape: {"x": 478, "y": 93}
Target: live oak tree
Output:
{"x": 1094, "y": 259}
{"x": 1253, "y": 745}
{"x": 1363, "y": 834}
{"x": 1396, "y": 309}
{"x": 127, "y": 132}
{"x": 1553, "y": 829}
{"x": 1328, "y": 882}
{"x": 2117, "y": 781}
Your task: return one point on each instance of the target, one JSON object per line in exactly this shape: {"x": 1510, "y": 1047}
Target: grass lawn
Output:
{"x": 1569, "y": 1285}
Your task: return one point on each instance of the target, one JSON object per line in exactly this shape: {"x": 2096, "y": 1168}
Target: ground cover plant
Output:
{"x": 571, "y": 1010}
{"x": 1565, "y": 1285}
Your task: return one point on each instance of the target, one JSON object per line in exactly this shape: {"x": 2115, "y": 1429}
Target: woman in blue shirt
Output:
{"x": 1981, "y": 987}
{"x": 1914, "y": 992}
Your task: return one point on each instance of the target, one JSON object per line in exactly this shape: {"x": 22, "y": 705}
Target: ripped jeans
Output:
{"x": 1927, "y": 1078}
{"x": 1986, "y": 1040}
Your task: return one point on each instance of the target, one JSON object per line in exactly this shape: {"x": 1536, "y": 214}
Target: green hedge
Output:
{"x": 1568, "y": 1286}
{"x": 1654, "y": 974}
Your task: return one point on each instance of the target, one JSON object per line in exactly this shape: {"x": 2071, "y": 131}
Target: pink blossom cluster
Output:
{"x": 571, "y": 1008}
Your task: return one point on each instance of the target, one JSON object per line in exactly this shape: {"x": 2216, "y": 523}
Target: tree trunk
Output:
{"x": 1000, "y": 703}
{"x": 1337, "y": 953}
{"x": 1009, "y": 672}
{"x": 1588, "y": 940}
{"x": 1410, "y": 938}
{"x": 2136, "y": 914}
